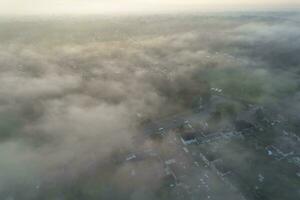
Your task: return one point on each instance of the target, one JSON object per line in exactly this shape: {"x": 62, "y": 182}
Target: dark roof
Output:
{"x": 169, "y": 180}
{"x": 242, "y": 125}
{"x": 221, "y": 166}
{"x": 188, "y": 136}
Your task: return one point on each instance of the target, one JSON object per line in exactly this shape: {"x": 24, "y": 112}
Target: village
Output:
{"x": 229, "y": 160}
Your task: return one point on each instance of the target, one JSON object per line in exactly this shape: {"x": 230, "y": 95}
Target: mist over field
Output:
{"x": 76, "y": 91}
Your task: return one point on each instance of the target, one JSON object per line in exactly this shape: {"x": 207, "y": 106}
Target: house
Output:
{"x": 242, "y": 125}
{"x": 188, "y": 138}
{"x": 169, "y": 180}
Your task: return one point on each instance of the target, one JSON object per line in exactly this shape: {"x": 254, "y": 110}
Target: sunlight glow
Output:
{"x": 136, "y": 6}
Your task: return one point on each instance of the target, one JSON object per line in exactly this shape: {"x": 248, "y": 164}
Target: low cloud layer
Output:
{"x": 74, "y": 91}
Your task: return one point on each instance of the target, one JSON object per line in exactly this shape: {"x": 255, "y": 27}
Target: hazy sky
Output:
{"x": 13, "y": 7}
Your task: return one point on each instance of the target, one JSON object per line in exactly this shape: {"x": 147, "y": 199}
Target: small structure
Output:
{"x": 170, "y": 178}
{"x": 220, "y": 167}
{"x": 170, "y": 161}
{"x": 131, "y": 157}
{"x": 158, "y": 136}
{"x": 185, "y": 150}
{"x": 277, "y": 153}
{"x": 242, "y": 125}
{"x": 188, "y": 138}
{"x": 272, "y": 151}
{"x": 295, "y": 160}
{"x": 261, "y": 178}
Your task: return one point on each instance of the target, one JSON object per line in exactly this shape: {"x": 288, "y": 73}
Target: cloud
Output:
{"x": 73, "y": 91}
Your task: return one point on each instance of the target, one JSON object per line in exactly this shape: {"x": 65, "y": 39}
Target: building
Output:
{"x": 188, "y": 138}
